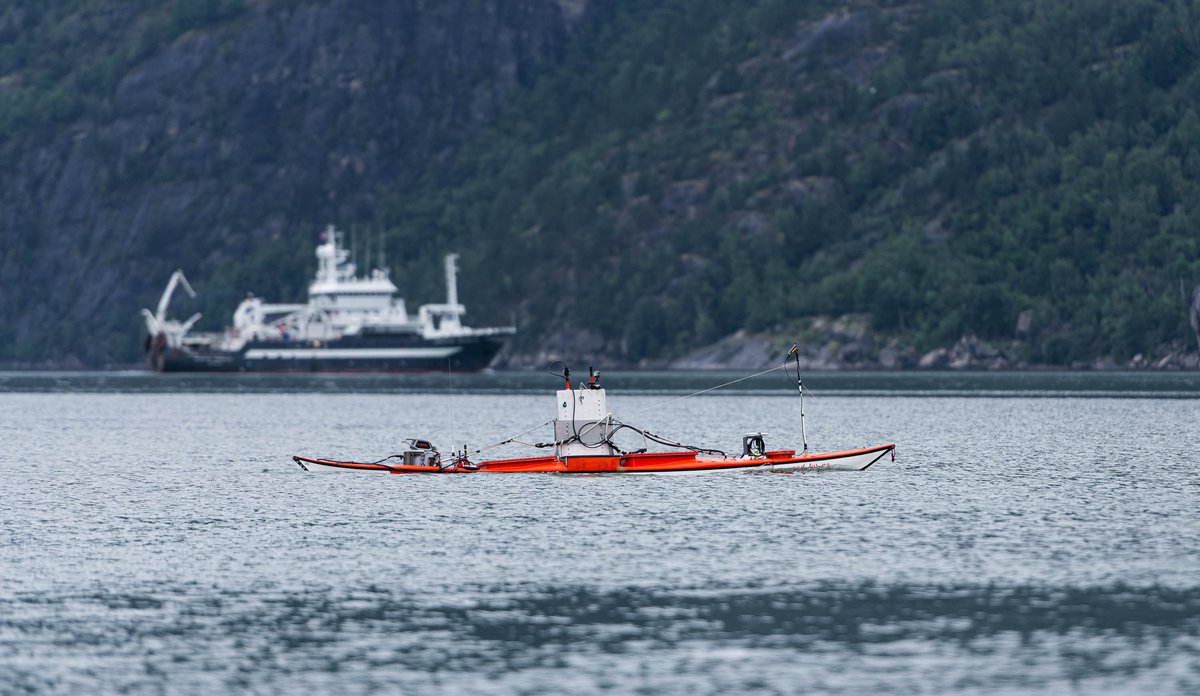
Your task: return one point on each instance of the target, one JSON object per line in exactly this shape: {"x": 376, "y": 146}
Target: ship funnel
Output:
{"x": 451, "y": 279}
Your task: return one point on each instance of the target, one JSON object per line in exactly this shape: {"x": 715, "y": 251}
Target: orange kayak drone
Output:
{"x": 583, "y": 443}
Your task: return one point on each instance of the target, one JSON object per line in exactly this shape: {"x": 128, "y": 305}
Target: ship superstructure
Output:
{"x": 350, "y": 323}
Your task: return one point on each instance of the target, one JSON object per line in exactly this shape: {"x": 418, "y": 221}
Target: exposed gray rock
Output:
{"x": 934, "y": 359}
{"x": 575, "y": 345}
{"x": 831, "y": 34}
{"x": 1175, "y": 355}
{"x": 968, "y": 353}
{"x": 822, "y": 343}
{"x": 740, "y": 351}
{"x": 1024, "y": 324}
{"x": 893, "y": 359}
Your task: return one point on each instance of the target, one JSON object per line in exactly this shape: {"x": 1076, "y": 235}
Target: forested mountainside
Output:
{"x": 632, "y": 180}
{"x": 219, "y": 136}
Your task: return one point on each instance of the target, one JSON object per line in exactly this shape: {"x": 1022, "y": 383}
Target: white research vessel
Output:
{"x": 350, "y": 323}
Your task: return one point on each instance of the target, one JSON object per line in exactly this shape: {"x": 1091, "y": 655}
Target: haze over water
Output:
{"x": 1038, "y": 533}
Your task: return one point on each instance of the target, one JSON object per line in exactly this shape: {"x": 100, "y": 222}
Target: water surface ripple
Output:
{"x": 157, "y": 539}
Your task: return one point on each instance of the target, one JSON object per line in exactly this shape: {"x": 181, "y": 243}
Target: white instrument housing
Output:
{"x": 582, "y": 424}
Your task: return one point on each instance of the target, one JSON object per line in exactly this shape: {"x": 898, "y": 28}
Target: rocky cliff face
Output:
{"x": 245, "y": 136}
{"x": 678, "y": 171}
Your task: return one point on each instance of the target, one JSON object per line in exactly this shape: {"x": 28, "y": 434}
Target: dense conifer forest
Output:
{"x": 670, "y": 172}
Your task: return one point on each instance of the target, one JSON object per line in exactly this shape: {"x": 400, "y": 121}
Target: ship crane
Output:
{"x": 158, "y": 323}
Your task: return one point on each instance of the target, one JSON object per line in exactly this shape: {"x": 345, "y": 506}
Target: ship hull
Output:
{"x": 654, "y": 463}
{"x": 378, "y": 353}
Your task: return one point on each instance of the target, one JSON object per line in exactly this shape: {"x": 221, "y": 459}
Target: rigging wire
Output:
{"x": 705, "y": 391}
{"x": 514, "y": 438}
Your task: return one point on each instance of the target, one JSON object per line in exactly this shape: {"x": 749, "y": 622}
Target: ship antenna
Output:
{"x": 450, "y": 400}
{"x": 382, "y": 253}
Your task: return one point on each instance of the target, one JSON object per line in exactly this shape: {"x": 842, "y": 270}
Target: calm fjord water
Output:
{"x": 1038, "y": 533}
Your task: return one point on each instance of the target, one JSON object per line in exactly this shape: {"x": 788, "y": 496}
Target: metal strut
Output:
{"x": 795, "y": 353}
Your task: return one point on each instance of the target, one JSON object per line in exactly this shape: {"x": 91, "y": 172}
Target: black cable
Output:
{"x": 662, "y": 441}
{"x": 574, "y": 428}
{"x": 561, "y": 375}
{"x": 793, "y": 353}
{"x": 575, "y": 436}
{"x": 390, "y": 456}
{"x": 606, "y": 438}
